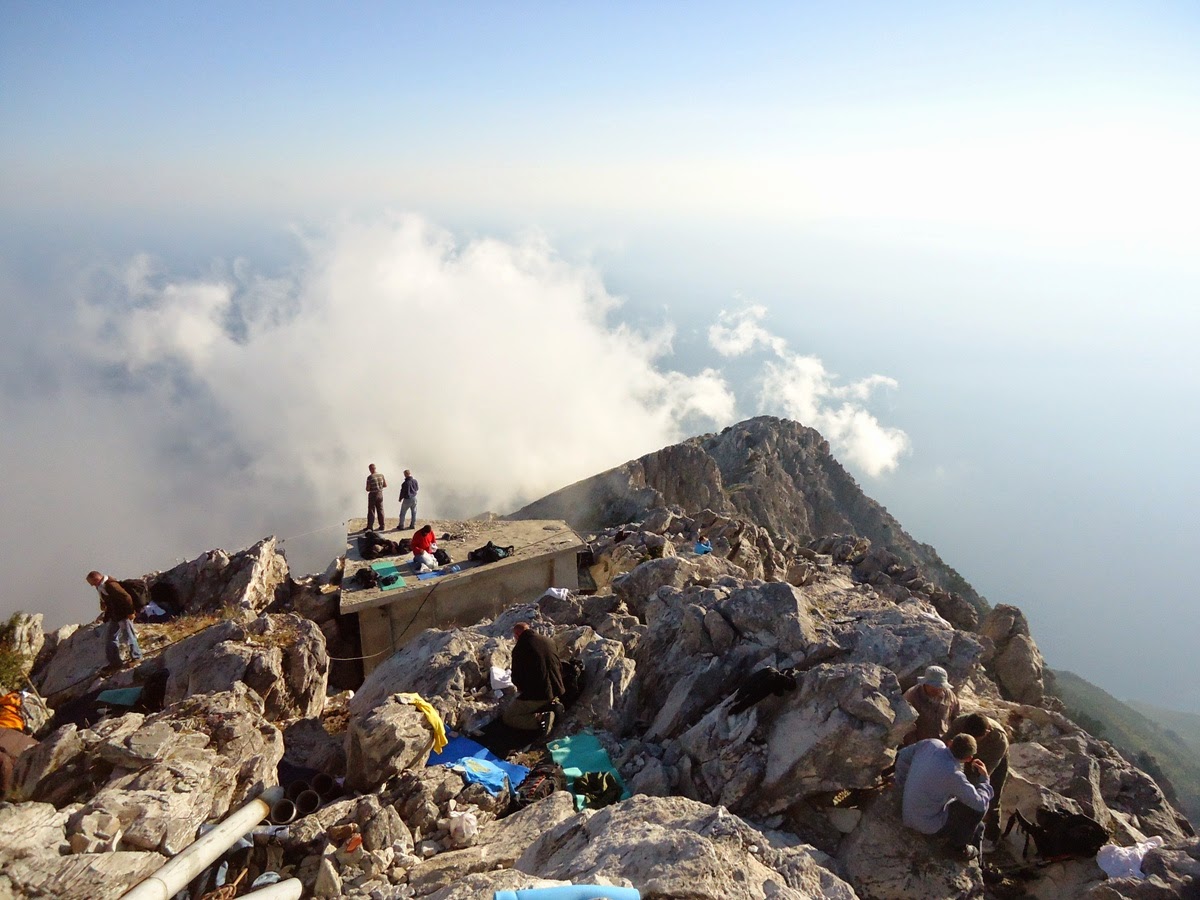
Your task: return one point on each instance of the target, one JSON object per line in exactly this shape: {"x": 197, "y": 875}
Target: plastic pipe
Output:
{"x": 324, "y": 785}
{"x": 281, "y": 890}
{"x": 194, "y": 858}
{"x": 296, "y": 788}
{"x": 307, "y": 803}
{"x": 283, "y": 811}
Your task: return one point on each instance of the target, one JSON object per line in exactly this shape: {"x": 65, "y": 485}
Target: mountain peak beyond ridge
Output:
{"x": 775, "y": 472}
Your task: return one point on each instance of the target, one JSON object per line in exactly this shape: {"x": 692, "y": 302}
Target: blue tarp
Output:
{"x": 478, "y": 764}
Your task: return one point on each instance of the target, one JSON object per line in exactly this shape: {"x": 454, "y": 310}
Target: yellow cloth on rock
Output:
{"x": 439, "y": 727}
{"x": 10, "y": 712}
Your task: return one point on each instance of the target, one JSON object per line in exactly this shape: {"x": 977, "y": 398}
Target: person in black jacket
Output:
{"x": 117, "y": 610}
{"x": 537, "y": 675}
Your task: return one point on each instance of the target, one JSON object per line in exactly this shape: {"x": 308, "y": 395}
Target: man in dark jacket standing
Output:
{"x": 408, "y": 500}
{"x": 117, "y": 610}
{"x": 537, "y": 675}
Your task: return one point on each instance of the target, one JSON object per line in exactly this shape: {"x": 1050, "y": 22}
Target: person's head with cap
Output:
{"x": 936, "y": 679}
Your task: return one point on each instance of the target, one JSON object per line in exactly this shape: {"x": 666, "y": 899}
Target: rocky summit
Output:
{"x": 750, "y": 702}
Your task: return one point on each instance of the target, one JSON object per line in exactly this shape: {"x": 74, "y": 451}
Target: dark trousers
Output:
{"x": 963, "y": 826}
{"x": 991, "y": 819}
{"x": 374, "y": 508}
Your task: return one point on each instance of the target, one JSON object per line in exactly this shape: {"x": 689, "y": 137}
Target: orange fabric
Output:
{"x": 10, "y": 712}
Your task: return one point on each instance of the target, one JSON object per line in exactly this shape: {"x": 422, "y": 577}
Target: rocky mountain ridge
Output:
{"x": 773, "y": 472}
{"x": 781, "y": 798}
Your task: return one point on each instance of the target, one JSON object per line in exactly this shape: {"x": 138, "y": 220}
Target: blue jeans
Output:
{"x": 408, "y": 504}
{"x": 116, "y": 631}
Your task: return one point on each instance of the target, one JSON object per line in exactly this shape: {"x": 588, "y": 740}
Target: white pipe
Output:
{"x": 281, "y": 890}
{"x": 194, "y": 858}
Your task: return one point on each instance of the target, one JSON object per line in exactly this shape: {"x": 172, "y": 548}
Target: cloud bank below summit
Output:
{"x": 210, "y": 409}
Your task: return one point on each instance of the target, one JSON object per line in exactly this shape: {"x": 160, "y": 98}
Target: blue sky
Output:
{"x": 991, "y": 208}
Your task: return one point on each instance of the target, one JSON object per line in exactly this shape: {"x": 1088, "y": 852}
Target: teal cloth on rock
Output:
{"x": 120, "y": 696}
{"x": 385, "y": 570}
{"x": 581, "y": 753}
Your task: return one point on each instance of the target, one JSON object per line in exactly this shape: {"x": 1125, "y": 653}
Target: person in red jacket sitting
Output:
{"x": 424, "y": 545}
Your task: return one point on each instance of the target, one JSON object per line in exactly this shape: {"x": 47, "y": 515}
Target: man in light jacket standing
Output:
{"x": 945, "y": 792}
{"x": 408, "y": 499}
{"x": 375, "y": 485}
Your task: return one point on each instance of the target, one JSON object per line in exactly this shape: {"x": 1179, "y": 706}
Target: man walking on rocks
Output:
{"x": 408, "y": 500}
{"x": 945, "y": 792}
{"x": 117, "y": 609}
{"x": 375, "y": 485}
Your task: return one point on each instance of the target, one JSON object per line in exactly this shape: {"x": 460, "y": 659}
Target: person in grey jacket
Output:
{"x": 945, "y": 792}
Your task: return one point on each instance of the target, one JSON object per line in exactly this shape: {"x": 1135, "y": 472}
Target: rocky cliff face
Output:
{"x": 775, "y": 473}
{"x": 736, "y": 794}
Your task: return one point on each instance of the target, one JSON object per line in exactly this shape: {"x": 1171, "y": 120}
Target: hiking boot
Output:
{"x": 966, "y": 853}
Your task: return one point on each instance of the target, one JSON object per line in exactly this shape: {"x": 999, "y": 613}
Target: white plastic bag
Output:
{"x": 1125, "y": 862}
{"x": 464, "y": 828}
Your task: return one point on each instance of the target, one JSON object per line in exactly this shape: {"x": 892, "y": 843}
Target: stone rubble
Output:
{"x": 781, "y": 800}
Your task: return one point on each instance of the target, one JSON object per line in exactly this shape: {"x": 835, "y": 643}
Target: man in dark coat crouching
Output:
{"x": 537, "y": 675}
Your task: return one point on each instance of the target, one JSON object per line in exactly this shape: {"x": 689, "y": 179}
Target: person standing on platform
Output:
{"x": 375, "y": 485}
{"x": 408, "y": 500}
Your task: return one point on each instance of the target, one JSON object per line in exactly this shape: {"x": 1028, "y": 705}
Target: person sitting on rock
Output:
{"x": 537, "y": 675}
{"x": 703, "y": 545}
{"x": 945, "y": 792}
{"x": 936, "y": 705}
{"x": 424, "y": 545}
{"x": 991, "y": 739}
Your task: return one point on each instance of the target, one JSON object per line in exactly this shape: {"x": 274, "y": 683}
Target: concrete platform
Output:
{"x": 544, "y": 555}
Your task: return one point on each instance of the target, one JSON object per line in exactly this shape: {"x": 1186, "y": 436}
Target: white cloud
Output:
{"x": 165, "y": 414}
{"x": 490, "y": 367}
{"x": 799, "y": 387}
{"x": 738, "y": 332}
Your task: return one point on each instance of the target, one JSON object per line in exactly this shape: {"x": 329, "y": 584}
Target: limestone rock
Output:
{"x": 30, "y": 829}
{"x": 308, "y": 745}
{"x": 500, "y": 844}
{"x": 282, "y": 657}
{"x": 836, "y": 730}
{"x": 674, "y": 847}
{"x": 907, "y": 639}
{"x": 679, "y": 572}
{"x": 777, "y": 474}
{"x": 1015, "y": 660}
{"x": 247, "y": 580}
{"x": 884, "y": 860}
{"x": 24, "y": 636}
{"x": 383, "y": 741}
{"x": 84, "y": 876}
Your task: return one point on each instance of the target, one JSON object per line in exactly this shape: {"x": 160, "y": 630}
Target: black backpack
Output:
{"x": 138, "y": 592}
{"x": 542, "y": 781}
{"x": 442, "y": 557}
{"x": 573, "y": 680}
{"x": 1059, "y": 833}
{"x": 598, "y": 789}
{"x": 489, "y": 553}
{"x": 366, "y": 577}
